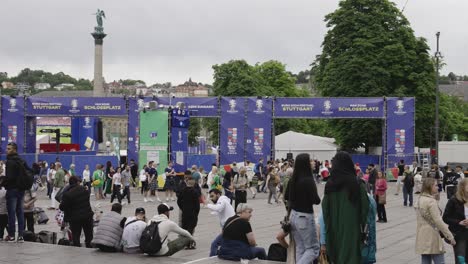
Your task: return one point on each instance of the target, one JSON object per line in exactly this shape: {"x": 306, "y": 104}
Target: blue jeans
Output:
{"x": 215, "y": 245}
{"x": 407, "y": 192}
{"x": 258, "y": 252}
{"x": 15, "y": 202}
{"x": 305, "y": 237}
{"x": 437, "y": 258}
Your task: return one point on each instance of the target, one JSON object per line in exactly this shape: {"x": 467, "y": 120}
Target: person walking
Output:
{"x": 272, "y": 181}
{"x": 153, "y": 180}
{"x": 14, "y": 194}
{"x": 98, "y": 182}
{"x": 126, "y": 181}
{"x": 301, "y": 194}
{"x": 345, "y": 207}
{"x": 50, "y": 179}
{"x": 372, "y": 177}
{"x": 143, "y": 178}
{"x": 170, "y": 184}
{"x": 77, "y": 209}
{"x": 134, "y": 171}
{"x": 59, "y": 182}
{"x": 408, "y": 184}
{"x": 381, "y": 197}
{"x": 430, "y": 226}
{"x": 456, "y": 216}
{"x": 240, "y": 183}
{"x": 116, "y": 186}
{"x": 109, "y": 173}
{"x": 87, "y": 178}
{"x": 401, "y": 171}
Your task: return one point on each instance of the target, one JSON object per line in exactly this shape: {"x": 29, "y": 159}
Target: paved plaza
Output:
{"x": 395, "y": 239}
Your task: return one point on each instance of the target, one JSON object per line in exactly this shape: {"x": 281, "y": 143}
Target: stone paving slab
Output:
{"x": 395, "y": 239}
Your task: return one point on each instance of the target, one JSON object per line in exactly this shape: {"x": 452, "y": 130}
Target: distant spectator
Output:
{"x": 29, "y": 201}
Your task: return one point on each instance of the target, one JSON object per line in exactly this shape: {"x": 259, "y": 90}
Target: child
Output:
{"x": 3, "y": 212}
{"x": 29, "y": 200}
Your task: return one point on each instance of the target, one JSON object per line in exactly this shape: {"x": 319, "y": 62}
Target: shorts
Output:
{"x": 170, "y": 183}
{"x": 144, "y": 186}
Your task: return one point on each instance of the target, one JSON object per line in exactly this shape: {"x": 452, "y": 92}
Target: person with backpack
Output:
{"x": 133, "y": 229}
{"x": 272, "y": 181}
{"x": 109, "y": 231}
{"x": 154, "y": 240}
{"x": 19, "y": 178}
{"x": 259, "y": 172}
{"x": 408, "y": 184}
{"x": 77, "y": 209}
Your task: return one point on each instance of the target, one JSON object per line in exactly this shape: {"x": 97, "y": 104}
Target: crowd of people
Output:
{"x": 343, "y": 231}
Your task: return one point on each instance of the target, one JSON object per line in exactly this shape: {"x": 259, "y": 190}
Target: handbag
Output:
{"x": 96, "y": 182}
{"x": 323, "y": 259}
{"x": 383, "y": 198}
{"x": 58, "y": 196}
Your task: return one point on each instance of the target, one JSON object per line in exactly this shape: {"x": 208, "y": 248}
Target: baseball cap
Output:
{"x": 164, "y": 207}
{"x": 140, "y": 210}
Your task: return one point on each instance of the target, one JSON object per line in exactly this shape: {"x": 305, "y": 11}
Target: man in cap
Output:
{"x": 133, "y": 229}
{"x": 166, "y": 227}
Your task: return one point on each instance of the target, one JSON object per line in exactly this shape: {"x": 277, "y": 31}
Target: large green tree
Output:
{"x": 270, "y": 78}
{"x": 371, "y": 50}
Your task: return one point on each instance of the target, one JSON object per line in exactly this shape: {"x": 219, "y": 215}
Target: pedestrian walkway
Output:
{"x": 395, "y": 239}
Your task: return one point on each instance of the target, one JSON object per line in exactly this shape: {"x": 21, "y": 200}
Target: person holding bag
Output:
{"x": 381, "y": 197}
{"x": 430, "y": 227}
{"x": 456, "y": 216}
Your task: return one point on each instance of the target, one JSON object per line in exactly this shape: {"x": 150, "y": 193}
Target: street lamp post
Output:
{"x": 436, "y": 128}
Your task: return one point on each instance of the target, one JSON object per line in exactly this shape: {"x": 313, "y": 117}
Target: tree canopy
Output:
{"x": 371, "y": 50}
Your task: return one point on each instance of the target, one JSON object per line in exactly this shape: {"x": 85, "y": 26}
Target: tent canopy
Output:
{"x": 321, "y": 148}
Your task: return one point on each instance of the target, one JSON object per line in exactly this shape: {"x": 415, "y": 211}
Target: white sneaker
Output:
{"x": 145, "y": 200}
{"x": 167, "y": 199}
{"x": 159, "y": 200}
{"x": 124, "y": 203}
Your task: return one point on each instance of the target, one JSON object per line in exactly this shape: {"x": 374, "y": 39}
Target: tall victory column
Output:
{"x": 98, "y": 36}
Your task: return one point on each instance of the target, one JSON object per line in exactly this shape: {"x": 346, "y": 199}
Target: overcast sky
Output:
{"x": 172, "y": 40}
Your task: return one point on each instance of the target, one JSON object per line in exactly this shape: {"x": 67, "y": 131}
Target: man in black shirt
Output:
{"x": 239, "y": 240}
{"x": 372, "y": 177}
{"x": 401, "y": 170}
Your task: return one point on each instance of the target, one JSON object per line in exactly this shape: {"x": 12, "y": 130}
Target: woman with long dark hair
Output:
{"x": 344, "y": 207}
{"x": 301, "y": 194}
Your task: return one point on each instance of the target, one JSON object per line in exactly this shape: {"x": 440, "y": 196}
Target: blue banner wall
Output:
{"x": 400, "y": 130}
{"x": 13, "y": 122}
{"x": 231, "y": 132}
{"x": 79, "y": 106}
{"x": 86, "y": 128}
{"x": 197, "y": 106}
{"x": 329, "y": 108}
{"x": 133, "y": 130}
{"x": 179, "y": 143}
{"x": 31, "y": 123}
{"x": 258, "y": 141}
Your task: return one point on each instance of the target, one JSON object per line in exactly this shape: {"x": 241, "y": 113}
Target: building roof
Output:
{"x": 459, "y": 90}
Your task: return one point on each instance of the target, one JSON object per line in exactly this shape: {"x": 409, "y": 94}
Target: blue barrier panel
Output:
{"x": 66, "y": 160}
{"x": 29, "y": 158}
{"x": 365, "y": 160}
{"x": 92, "y": 161}
{"x": 201, "y": 160}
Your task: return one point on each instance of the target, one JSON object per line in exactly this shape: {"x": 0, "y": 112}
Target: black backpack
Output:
{"x": 25, "y": 178}
{"x": 150, "y": 241}
{"x": 276, "y": 252}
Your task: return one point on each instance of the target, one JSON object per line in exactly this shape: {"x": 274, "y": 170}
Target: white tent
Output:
{"x": 321, "y": 148}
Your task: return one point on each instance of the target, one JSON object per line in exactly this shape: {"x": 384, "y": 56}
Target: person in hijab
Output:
{"x": 301, "y": 194}
{"x": 345, "y": 207}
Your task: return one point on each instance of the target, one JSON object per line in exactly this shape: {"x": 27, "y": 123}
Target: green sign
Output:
{"x": 154, "y": 138}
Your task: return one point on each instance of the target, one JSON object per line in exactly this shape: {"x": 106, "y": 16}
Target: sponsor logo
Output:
{"x": 259, "y": 107}
{"x": 87, "y": 122}
{"x": 179, "y": 140}
{"x": 327, "y": 105}
{"x": 12, "y": 107}
{"x": 74, "y": 106}
{"x": 232, "y": 106}
{"x": 400, "y": 106}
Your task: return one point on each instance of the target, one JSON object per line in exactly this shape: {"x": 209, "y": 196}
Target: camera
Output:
{"x": 286, "y": 225}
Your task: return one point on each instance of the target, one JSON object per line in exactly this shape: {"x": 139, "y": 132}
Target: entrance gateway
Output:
{"x": 246, "y": 123}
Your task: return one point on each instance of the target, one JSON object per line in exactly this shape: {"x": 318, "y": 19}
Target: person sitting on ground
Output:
{"x": 77, "y": 208}
{"x": 133, "y": 229}
{"x": 110, "y": 229}
{"x": 223, "y": 208}
{"x": 166, "y": 226}
{"x": 238, "y": 237}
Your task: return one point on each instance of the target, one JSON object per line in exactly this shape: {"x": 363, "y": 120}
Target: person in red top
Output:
{"x": 380, "y": 195}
